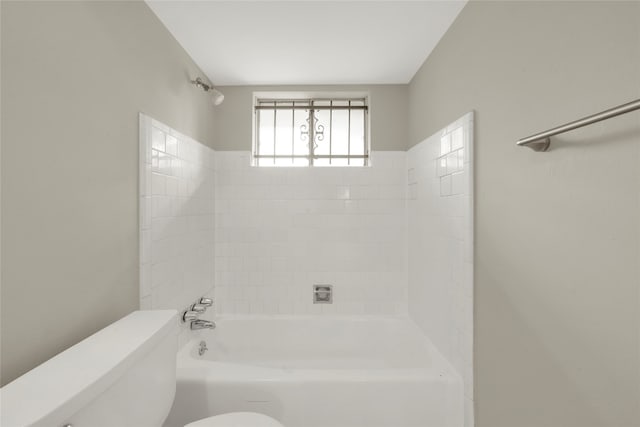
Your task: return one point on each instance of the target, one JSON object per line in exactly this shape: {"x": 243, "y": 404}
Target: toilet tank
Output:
{"x": 123, "y": 375}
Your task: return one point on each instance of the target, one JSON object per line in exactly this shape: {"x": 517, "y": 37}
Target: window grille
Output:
{"x": 311, "y": 132}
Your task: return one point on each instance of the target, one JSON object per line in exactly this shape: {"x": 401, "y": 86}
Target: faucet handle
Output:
{"x": 190, "y": 315}
{"x": 207, "y": 302}
{"x": 198, "y": 308}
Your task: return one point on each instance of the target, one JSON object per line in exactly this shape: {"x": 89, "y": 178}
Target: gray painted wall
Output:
{"x": 557, "y": 234}
{"x": 74, "y": 77}
{"x": 387, "y": 114}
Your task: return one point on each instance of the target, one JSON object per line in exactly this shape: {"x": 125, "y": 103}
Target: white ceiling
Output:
{"x": 308, "y": 42}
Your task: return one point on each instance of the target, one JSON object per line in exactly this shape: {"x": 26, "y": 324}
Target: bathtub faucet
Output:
{"x": 202, "y": 324}
{"x": 196, "y": 309}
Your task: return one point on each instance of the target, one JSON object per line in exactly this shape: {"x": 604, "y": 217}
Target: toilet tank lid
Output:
{"x": 73, "y": 378}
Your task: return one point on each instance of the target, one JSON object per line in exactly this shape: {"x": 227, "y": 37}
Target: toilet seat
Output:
{"x": 236, "y": 419}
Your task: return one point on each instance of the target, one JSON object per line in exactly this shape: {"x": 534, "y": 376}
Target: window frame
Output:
{"x": 310, "y": 98}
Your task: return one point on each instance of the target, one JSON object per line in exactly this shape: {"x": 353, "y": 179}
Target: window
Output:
{"x": 311, "y": 132}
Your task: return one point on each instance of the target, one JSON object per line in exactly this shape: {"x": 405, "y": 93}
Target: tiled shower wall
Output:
{"x": 279, "y": 231}
{"x": 440, "y": 230}
{"x": 177, "y": 222}
{"x": 392, "y": 238}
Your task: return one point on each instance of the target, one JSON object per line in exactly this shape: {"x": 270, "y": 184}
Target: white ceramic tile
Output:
{"x": 145, "y": 303}
{"x": 468, "y": 412}
{"x": 445, "y": 185}
{"x": 171, "y": 145}
{"x": 440, "y": 247}
{"x": 458, "y": 183}
{"x": 144, "y": 184}
{"x": 461, "y": 161}
{"x": 145, "y": 280}
{"x": 452, "y": 162}
{"x": 177, "y": 222}
{"x": 145, "y": 212}
{"x": 158, "y": 184}
{"x": 157, "y": 139}
{"x": 155, "y": 160}
{"x": 145, "y": 246}
{"x": 457, "y": 140}
{"x": 294, "y": 227}
{"x": 441, "y": 166}
{"x": 411, "y": 176}
{"x": 445, "y": 144}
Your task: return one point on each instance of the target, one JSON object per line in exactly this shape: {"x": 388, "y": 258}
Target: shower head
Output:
{"x": 216, "y": 96}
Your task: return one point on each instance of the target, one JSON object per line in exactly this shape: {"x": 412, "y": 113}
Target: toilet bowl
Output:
{"x": 236, "y": 419}
{"x": 123, "y": 375}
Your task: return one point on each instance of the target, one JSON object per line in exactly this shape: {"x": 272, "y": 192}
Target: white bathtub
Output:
{"x": 319, "y": 372}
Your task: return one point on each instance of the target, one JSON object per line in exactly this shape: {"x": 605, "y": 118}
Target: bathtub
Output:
{"x": 318, "y": 371}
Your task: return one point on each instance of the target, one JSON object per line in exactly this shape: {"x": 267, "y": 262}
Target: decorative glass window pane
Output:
{"x": 311, "y": 132}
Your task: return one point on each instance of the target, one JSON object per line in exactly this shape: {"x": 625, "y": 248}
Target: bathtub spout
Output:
{"x": 202, "y": 324}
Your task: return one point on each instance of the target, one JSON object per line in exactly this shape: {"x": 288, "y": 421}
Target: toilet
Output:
{"x": 123, "y": 375}
{"x": 236, "y": 419}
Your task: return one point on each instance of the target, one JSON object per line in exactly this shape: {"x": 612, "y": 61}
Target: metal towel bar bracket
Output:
{"x": 541, "y": 141}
